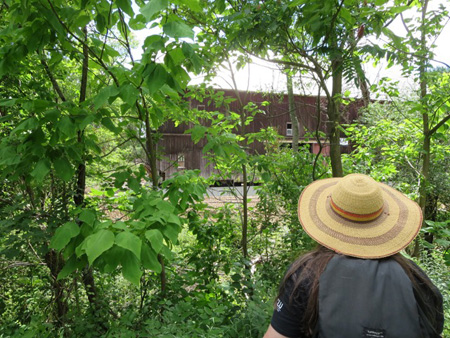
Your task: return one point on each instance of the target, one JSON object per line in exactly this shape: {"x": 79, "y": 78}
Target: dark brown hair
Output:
{"x": 305, "y": 272}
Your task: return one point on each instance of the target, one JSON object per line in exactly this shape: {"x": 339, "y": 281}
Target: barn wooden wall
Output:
{"x": 174, "y": 143}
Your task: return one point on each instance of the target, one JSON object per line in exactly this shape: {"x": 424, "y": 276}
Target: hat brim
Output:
{"x": 384, "y": 236}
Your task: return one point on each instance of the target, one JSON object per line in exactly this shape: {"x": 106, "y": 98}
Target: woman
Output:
{"x": 356, "y": 284}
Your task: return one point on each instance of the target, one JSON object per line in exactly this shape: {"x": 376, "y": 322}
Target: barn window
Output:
{"x": 180, "y": 161}
{"x": 289, "y": 129}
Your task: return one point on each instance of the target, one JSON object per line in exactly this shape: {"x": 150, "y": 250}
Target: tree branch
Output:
{"x": 52, "y": 79}
{"x": 83, "y": 43}
{"x": 438, "y": 125}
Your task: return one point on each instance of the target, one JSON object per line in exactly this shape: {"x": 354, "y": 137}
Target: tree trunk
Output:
{"x": 334, "y": 119}
{"x": 245, "y": 212}
{"x": 151, "y": 160}
{"x": 425, "y": 122}
{"x": 292, "y": 113}
{"x": 365, "y": 92}
{"x": 425, "y": 125}
{"x": 87, "y": 275}
{"x": 55, "y": 263}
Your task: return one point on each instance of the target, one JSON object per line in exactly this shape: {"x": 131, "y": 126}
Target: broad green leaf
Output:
{"x": 86, "y": 121}
{"x": 82, "y": 20}
{"x": 87, "y": 216}
{"x": 193, "y": 5}
{"x": 171, "y": 231}
{"x": 120, "y": 225}
{"x": 166, "y": 252}
{"x": 129, "y": 94}
{"x": 153, "y": 43}
{"x": 178, "y": 29}
{"x": 41, "y": 170}
{"x": 125, "y": 5}
{"x": 398, "y": 9}
{"x": 108, "y": 123}
{"x": 120, "y": 178}
{"x": 63, "y": 235}
{"x": 63, "y": 169}
{"x": 29, "y": 124}
{"x": 345, "y": 13}
{"x": 98, "y": 243}
{"x": 66, "y": 125}
{"x": 138, "y": 22}
{"x": 149, "y": 259}
{"x": 134, "y": 184}
{"x": 153, "y": 7}
{"x": 113, "y": 257}
{"x": 104, "y": 94}
{"x": 100, "y": 22}
{"x": 155, "y": 238}
{"x": 177, "y": 56}
{"x": 129, "y": 241}
{"x": 157, "y": 78}
{"x": 197, "y": 133}
{"x": 71, "y": 265}
{"x": 131, "y": 269}
{"x": 172, "y": 218}
{"x": 7, "y": 102}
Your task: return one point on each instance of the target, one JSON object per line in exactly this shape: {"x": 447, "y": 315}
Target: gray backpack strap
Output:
{"x": 366, "y": 298}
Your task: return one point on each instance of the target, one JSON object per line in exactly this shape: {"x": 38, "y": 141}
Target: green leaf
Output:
{"x": 63, "y": 169}
{"x": 134, "y": 184}
{"x": 71, "y": 265}
{"x": 177, "y": 56}
{"x": 178, "y": 29}
{"x": 66, "y": 125}
{"x": 130, "y": 268}
{"x": 100, "y": 22}
{"x": 98, "y": 243}
{"x": 157, "y": 78}
{"x": 108, "y": 123}
{"x": 41, "y": 170}
{"x": 104, "y": 94}
{"x": 129, "y": 241}
{"x": 88, "y": 216}
{"x": 129, "y": 94}
{"x": 120, "y": 225}
{"x": 125, "y": 5}
{"x": 63, "y": 235}
{"x": 149, "y": 259}
{"x": 399, "y": 9}
{"x": 155, "y": 238}
{"x": 28, "y": 124}
{"x": 7, "y": 102}
{"x": 153, "y": 7}
{"x": 171, "y": 231}
{"x": 82, "y": 20}
{"x": 86, "y": 121}
{"x": 193, "y": 5}
{"x": 138, "y": 22}
{"x": 112, "y": 258}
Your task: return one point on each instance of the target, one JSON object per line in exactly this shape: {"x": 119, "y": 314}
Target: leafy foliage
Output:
{"x": 93, "y": 242}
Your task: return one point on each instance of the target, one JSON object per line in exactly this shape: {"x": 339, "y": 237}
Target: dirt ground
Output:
{"x": 218, "y": 201}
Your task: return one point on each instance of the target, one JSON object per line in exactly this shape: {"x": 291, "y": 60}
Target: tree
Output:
{"x": 321, "y": 38}
{"x": 49, "y": 138}
{"x": 415, "y": 54}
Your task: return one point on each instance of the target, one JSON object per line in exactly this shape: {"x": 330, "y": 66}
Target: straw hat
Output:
{"x": 357, "y": 216}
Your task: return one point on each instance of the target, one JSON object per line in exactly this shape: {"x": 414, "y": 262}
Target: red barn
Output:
{"x": 180, "y": 152}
